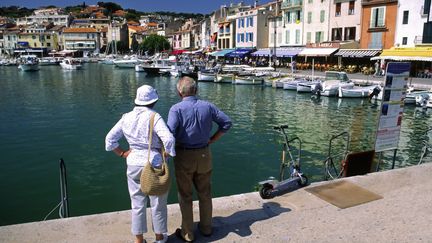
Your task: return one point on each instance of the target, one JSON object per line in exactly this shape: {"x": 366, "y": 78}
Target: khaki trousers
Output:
{"x": 193, "y": 169}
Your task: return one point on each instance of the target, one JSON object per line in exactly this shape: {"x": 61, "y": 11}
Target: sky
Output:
{"x": 186, "y": 6}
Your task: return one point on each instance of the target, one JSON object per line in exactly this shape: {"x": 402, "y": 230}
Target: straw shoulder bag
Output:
{"x": 155, "y": 181}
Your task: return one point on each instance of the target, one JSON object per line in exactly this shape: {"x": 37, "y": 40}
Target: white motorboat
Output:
{"x": 28, "y": 63}
{"x": 160, "y": 66}
{"x": 356, "y": 91}
{"x": 125, "y": 63}
{"x": 248, "y": 79}
{"x": 70, "y": 64}
{"x": 206, "y": 75}
{"x": 45, "y": 61}
{"x": 224, "y": 78}
{"x": 423, "y": 99}
{"x": 307, "y": 86}
{"x": 291, "y": 84}
{"x": 411, "y": 96}
{"x": 333, "y": 81}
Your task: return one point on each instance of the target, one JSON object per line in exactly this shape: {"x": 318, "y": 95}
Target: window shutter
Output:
{"x": 380, "y": 17}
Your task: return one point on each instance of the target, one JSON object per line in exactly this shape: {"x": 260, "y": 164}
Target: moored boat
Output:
{"x": 224, "y": 78}
{"x": 28, "y": 63}
{"x": 70, "y": 64}
{"x": 248, "y": 80}
{"x": 206, "y": 75}
{"x": 356, "y": 91}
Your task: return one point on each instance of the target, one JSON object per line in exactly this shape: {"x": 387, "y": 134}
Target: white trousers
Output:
{"x": 158, "y": 205}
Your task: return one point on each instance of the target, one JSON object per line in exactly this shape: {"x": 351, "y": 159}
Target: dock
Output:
{"x": 403, "y": 214}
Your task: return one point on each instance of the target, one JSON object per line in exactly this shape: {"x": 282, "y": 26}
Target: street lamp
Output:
{"x": 274, "y": 18}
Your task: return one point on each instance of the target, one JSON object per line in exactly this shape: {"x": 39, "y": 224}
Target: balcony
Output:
{"x": 418, "y": 39}
{"x": 291, "y": 4}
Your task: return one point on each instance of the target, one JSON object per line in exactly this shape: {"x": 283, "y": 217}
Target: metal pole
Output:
{"x": 64, "y": 208}
{"x": 394, "y": 158}
{"x": 274, "y": 42}
{"x": 313, "y": 68}
{"x": 379, "y": 161}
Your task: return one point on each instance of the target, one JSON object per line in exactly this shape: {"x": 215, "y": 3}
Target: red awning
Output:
{"x": 177, "y": 52}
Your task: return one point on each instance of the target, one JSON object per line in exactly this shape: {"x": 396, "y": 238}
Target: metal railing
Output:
{"x": 63, "y": 205}
{"x": 331, "y": 170}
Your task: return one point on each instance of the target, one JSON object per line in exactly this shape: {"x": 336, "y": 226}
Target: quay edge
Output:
{"x": 403, "y": 215}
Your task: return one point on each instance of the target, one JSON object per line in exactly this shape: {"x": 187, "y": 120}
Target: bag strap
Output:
{"x": 152, "y": 116}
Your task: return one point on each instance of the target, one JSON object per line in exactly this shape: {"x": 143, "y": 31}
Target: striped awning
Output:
{"x": 317, "y": 52}
{"x": 357, "y": 52}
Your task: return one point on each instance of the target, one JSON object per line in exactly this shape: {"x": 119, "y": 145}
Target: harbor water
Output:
{"x": 55, "y": 113}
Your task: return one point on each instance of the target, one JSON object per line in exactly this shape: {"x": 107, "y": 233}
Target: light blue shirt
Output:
{"x": 191, "y": 122}
{"x": 134, "y": 126}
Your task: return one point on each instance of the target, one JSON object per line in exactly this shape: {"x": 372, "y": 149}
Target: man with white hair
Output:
{"x": 191, "y": 122}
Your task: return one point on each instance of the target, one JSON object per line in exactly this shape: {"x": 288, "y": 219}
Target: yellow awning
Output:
{"x": 423, "y": 53}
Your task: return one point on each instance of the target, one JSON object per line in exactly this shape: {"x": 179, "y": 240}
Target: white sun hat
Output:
{"x": 146, "y": 95}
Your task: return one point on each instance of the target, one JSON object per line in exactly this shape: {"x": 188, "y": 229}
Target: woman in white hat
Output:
{"x": 134, "y": 126}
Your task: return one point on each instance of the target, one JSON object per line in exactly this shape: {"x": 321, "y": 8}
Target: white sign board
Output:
{"x": 392, "y": 105}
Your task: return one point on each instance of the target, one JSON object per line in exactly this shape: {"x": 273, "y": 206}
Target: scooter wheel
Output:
{"x": 303, "y": 181}
{"x": 265, "y": 191}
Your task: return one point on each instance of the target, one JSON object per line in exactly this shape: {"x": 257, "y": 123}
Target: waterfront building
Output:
{"x": 39, "y": 43}
{"x": 378, "y": 25}
{"x": 225, "y": 35}
{"x": 97, "y": 23}
{"x": 345, "y": 20}
{"x": 118, "y": 31}
{"x": 410, "y": 13}
{"x": 176, "y": 43}
{"x": 10, "y": 40}
{"x": 317, "y": 21}
{"x": 292, "y": 11}
{"x": 223, "y": 25}
{"x": 427, "y": 29}
{"x": 252, "y": 27}
{"x": 85, "y": 40}
{"x": 205, "y": 33}
{"x": 57, "y": 30}
{"x": 135, "y": 34}
{"x": 51, "y": 15}
{"x": 196, "y": 37}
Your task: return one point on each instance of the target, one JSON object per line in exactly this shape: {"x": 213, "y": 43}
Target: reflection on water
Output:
{"x": 54, "y": 113}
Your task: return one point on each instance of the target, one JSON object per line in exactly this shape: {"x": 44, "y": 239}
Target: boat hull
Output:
{"x": 29, "y": 67}
{"x": 250, "y": 80}
{"x": 206, "y": 77}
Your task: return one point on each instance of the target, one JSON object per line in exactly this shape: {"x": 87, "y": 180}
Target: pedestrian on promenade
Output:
{"x": 191, "y": 121}
{"x": 377, "y": 68}
{"x": 383, "y": 67}
{"x": 134, "y": 126}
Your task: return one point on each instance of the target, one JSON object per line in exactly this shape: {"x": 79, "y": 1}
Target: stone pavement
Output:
{"x": 403, "y": 214}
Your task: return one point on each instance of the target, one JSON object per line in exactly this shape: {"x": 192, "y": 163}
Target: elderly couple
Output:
{"x": 187, "y": 137}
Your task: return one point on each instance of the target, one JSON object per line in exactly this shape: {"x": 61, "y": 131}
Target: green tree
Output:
{"x": 155, "y": 43}
{"x": 134, "y": 44}
{"x": 110, "y": 7}
{"x": 122, "y": 47}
